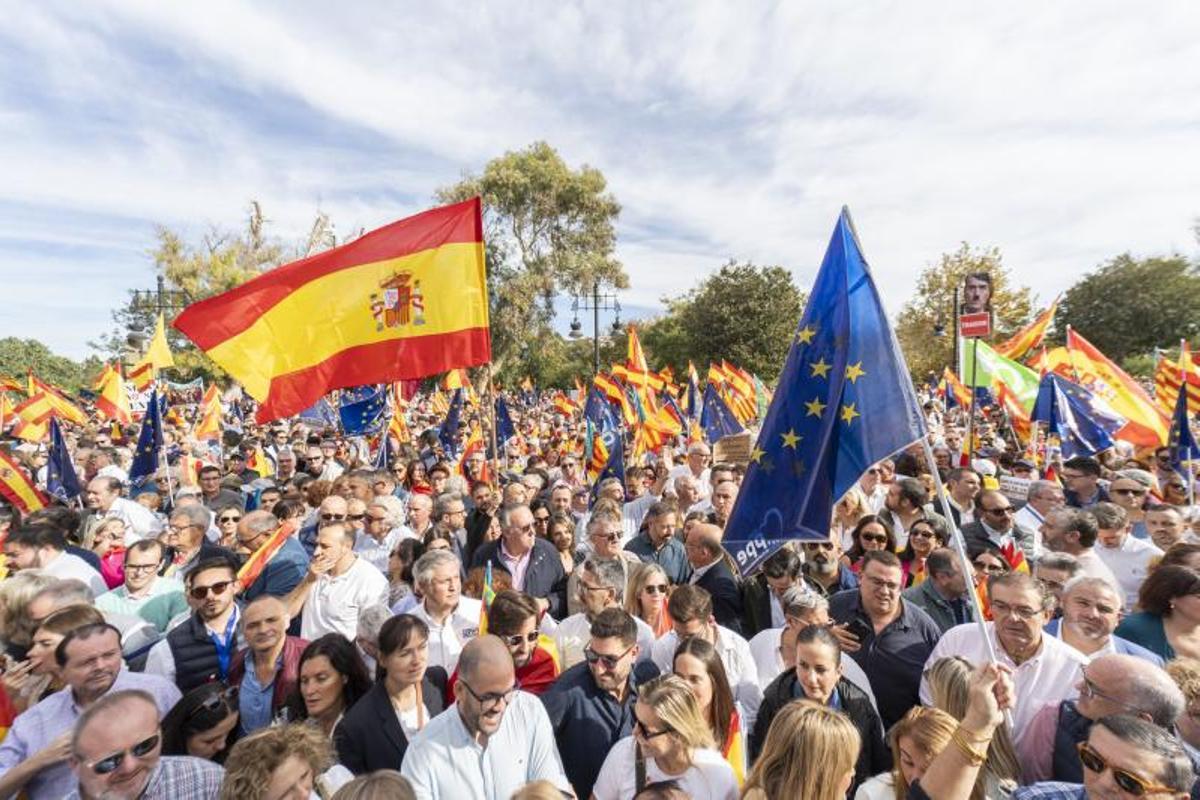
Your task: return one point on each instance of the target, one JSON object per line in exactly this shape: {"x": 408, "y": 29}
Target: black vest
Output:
{"x": 195, "y": 655}
{"x": 1072, "y": 729}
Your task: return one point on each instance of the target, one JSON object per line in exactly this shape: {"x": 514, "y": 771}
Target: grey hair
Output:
{"x": 370, "y": 621}
{"x": 443, "y": 502}
{"x": 1037, "y": 487}
{"x": 610, "y": 572}
{"x": 392, "y": 506}
{"x": 1091, "y": 580}
{"x": 800, "y": 600}
{"x": 1064, "y": 561}
{"x": 108, "y": 703}
{"x": 198, "y": 515}
{"x": 507, "y": 512}
{"x": 260, "y": 522}
{"x": 1109, "y": 516}
{"x": 1177, "y": 769}
{"x": 424, "y": 568}
{"x": 1147, "y": 688}
{"x": 67, "y": 592}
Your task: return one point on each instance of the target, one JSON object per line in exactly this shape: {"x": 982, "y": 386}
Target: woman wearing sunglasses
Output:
{"x": 925, "y": 536}
{"x": 227, "y": 522}
{"x": 670, "y": 742}
{"x": 647, "y": 597}
{"x": 374, "y": 733}
{"x": 203, "y": 723}
{"x": 869, "y": 534}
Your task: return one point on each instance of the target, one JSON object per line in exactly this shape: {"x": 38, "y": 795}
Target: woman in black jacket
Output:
{"x": 817, "y": 678}
{"x": 404, "y": 698}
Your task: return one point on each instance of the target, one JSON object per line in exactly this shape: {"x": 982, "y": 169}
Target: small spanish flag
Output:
{"x": 404, "y": 301}
{"x": 17, "y": 488}
{"x": 257, "y": 562}
{"x": 734, "y": 748}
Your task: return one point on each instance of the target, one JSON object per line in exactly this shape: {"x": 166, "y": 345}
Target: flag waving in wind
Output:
{"x": 844, "y": 401}
{"x": 149, "y": 444}
{"x": 61, "y": 479}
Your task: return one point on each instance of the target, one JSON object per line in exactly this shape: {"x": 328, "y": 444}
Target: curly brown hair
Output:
{"x": 253, "y": 760}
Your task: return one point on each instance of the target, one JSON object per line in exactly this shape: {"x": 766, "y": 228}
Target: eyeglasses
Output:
{"x": 227, "y": 697}
{"x": 823, "y": 545}
{"x": 1128, "y": 781}
{"x": 655, "y": 588}
{"x": 333, "y": 517}
{"x": 923, "y": 533}
{"x": 140, "y": 567}
{"x": 178, "y": 528}
{"x": 646, "y": 733}
{"x": 201, "y": 592}
{"x": 612, "y": 538}
{"x": 1020, "y": 612}
{"x": 1090, "y": 690}
{"x": 355, "y": 517}
{"x": 1000, "y": 510}
{"x": 228, "y": 519}
{"x": 491, "y": 699}
{"x": 109, "y": 764}
{"x": 880, "y": 583}
{"x": 517, "y": 639}
{"x": 878, "y": 538}
{"x": 606, "y": 661}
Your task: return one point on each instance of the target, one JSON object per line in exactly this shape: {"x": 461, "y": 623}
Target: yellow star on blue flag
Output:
{"x": 819, "y": 436}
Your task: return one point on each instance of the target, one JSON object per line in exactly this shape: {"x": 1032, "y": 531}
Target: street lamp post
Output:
{"x": 596, "y": 303}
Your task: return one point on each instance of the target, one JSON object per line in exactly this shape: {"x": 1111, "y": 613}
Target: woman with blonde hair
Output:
{"x": 916, "y": 739}
{"x": 949, "y": 688}
{"x": 15, "y": 593}
{"x": 671, "y": 742}
{"x": 647, "y": 597}
{"x": 38, "y": 675}
{"x": 810, "y": 752}
{"x": 849, "y": 510}
{"x": 284, "y": 762}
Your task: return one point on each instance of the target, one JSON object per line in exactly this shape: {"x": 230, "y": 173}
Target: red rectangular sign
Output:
{"x": 977, "y": 325}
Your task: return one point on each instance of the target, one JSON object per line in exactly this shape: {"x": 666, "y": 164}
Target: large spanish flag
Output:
{"x": 1147, "y": 425}
{"x": 17, "y": 488}
{"x": 405, "y": 301}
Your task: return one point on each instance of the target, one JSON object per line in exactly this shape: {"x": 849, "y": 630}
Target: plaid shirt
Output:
{"x": 180, "y": 778}
{"x": 1051, "y": 790}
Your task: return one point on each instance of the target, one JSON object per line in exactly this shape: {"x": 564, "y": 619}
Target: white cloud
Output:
{"x": 1064, "y": 134}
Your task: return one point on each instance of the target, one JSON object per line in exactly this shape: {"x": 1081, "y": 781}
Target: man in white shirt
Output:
{"x": 601, "y": 585}
{"x": 453, "y": 620}
{"x": 1045, "y": 670}
{"x": 491, "y": 742}
{"x": 696, "y": 467}
{"x": 337, "y": 586}
{"x": 1128, "y": 557}
{"x": 691, "y": 613}
{"x": 1075, "y": 533}
{"x": 103, "y": 499}
{"x": 381, "y": 532}
{"x": 1041, "y": 498}
{"x": 41, "y": 547}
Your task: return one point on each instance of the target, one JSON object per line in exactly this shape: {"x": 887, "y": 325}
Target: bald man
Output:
{"x": 444, "y": 759}
{"x": 712, "y": 573}
{"x": 274, "y": 663}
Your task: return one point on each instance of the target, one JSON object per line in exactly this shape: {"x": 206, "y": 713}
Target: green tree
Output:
{"x": 1129, "y": 306}
{"x": 19, "y": 356}
{"x": 742, "y": 313}
{"x": 925, "y": 326}
{"x": 549, "y": 229}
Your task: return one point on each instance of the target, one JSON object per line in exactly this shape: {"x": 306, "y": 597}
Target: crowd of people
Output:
{"x": 334, "y": 623}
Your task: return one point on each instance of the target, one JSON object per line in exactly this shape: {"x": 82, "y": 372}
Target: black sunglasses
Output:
{"x": 201, "y": 592}
{"x": 226, "y": 697}
{"x": 609, "y": 662}
{"x": 647, "y": 734}
{"x": 518, "y": 638}
{"x": 109, "y": 764}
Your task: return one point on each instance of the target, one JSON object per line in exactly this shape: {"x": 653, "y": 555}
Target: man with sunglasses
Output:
{"x": 591, "y": 705}
{"x": 492, "y": 741}
{"x": 116, "y": 754}
{"x": 34, "y": 752}
{"x": 1111, "y": 684}
{"x": 823, "y": 569}
{"x": 333, "y": 510}
{"x": 513, "y": 616}
{"x": 286, "y": 566}
{"x": 532, "y": 562}
{"x": 601, "y": 585}
{"x": 199, "y": 650}
{"x": 995, "y": 527}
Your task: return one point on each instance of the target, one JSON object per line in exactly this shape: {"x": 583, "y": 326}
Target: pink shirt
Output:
{"x": 516, "y": 566}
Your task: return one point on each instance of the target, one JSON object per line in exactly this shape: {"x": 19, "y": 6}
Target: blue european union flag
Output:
{"x": 716, "y": 418}
{"x": 610, "y": 441}
{"x": 1181, "y": 441}
{"x": 61, "y": 480}
{"x": 598, "y": 411}
{"x": 844, "y": 401}
{"x": 150, "y": 441}
{"x": 320, "y": 413}
{"x": 448, "y": 433}
{"x": 1083, "y": 425}
{"x": 505, "y": 429}
{"x": 363, "y": 414}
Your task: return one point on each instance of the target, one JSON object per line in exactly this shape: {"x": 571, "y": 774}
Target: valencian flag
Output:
{"x": 149, "y": 444}
{"x": 1083, "y": 424}
{"x": 404, "y": 301}
{"x": 844, "y": 401}
{"x": 61, "y": 480}
{"x": 17, "y": 488}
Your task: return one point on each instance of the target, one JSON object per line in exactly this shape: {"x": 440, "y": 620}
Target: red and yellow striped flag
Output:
{"x": 1030, "y": 337}
{"x": 1169, "y": 376}
{"x": 734, "y": 748}
{"x": 112, "y": 401}
{"x": 62, "y": 406}
{"x": 1018, "y": 417}
{"x": 255, "y": 564}
{"x": 17, "y": 488}
{"x": 404, "y": 301}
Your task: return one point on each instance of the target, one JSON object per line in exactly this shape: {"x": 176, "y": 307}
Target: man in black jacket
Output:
{"x": 532, "y": 562}
{"x": 712, "y": 573}
{"x": 761, "y": 594}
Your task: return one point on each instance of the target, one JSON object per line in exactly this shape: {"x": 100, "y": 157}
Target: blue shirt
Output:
{"x": 254, "y": 699}
{"x": 671, "y": 556}
{"x": 588, "y": 721}
{"x": 282, "y": 573}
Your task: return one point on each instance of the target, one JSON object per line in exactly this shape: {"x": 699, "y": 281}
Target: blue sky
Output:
{"x": 1063, "y": 134}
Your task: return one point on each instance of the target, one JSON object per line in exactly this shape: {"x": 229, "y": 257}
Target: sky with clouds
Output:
{"x": 1062, "y": 133}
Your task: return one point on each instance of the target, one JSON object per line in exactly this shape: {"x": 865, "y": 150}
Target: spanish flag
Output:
{"x": 17, "y": 488}
{"x": 1147, "y": 425}
{"x": 405, "y": 301}
{"x": 1030, "y": 337}
{"x": 62, "y": 406}
{"x": 255, "y": 564}
{"x": 734, "y": 748}
{"x": 112, "y": 401}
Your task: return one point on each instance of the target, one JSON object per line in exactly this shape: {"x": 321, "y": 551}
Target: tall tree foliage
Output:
{"x": 925, "y": 326}
{"x": 1129, "y": 306}
{"x": 549, "y": 230}
{"x": 19, "y": 356}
